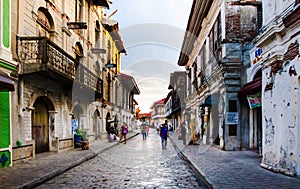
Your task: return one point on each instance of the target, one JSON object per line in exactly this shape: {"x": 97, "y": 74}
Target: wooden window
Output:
{"x": 45, "y": 24}
{"x": 232, "y": 106}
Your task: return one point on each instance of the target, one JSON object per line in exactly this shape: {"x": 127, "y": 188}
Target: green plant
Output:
{"x": 82, "y": 133}
{"x": 19, "y": 143}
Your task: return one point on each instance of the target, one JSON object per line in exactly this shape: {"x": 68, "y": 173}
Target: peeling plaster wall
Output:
{"x": 280, "y": 124}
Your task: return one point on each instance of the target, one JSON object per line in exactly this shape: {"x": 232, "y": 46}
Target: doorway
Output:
{"x": 40, "y": 124}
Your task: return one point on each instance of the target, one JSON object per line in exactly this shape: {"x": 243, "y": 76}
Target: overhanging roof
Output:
{"x": 251, "y": 87}
{"x": 6, "y": 83}
{"x": 199, "y": 11}
{"x": 130, "y": 83}
{"x": 112, "y": 27}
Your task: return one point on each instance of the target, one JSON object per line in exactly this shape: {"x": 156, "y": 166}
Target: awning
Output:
{"x": 251, "y": 87}
{"x": 6, "y": 84}
{"x": 210, "y": 100}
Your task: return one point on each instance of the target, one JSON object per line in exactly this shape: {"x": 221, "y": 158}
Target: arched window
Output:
{"x": 45, "y": 25}
{"x": 78, "y": 52}
{"x": 97, "y": 67}
{"x": 108, "y": 53}
{"x": 97, "y": 35}
{"x": 108, "y": 87}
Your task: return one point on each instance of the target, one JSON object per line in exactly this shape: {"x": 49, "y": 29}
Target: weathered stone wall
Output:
{"x": 274, "y": 8}
{"x": 241, "y": 22}
{"x": 281, "y": 111}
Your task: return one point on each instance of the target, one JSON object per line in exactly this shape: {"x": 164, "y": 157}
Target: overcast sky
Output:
{"x": 152, "y": 32}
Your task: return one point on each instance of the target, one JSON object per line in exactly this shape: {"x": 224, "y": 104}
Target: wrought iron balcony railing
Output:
{"x": 39, "y": 54}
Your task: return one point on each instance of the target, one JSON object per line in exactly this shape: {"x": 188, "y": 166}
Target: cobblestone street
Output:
{"x": 138, "y": 164}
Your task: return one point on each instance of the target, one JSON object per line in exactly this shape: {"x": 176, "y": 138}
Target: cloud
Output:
{"x": 152, "y": 32}
{"x": 148, "y": 87}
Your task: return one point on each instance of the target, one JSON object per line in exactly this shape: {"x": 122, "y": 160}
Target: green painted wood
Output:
{"x": 5, "y": 120}
{"x": 6, "y": 23}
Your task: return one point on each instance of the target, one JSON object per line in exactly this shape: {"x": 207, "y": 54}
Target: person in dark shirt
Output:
{"x": 183, "y": 133}
{"x": 164, "y": 133}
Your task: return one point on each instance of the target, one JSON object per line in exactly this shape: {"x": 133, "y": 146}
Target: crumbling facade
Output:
{"x": 215, "y": 55}
{"x": 279, "y": 64}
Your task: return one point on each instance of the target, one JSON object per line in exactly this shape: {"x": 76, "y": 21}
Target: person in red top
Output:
{"x": 123, "y": 133}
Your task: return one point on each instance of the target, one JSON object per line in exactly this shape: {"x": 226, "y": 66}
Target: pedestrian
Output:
{"x": 183, "y": 132}
{"x": 157, "y": 128}
{"x": 147, "y": 130}
{"x": 123, "y": 133}
{"x": 164, "y": 133}
{"x": 143, "y": 128}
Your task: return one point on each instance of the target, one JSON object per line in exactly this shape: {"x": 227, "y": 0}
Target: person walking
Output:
{"x": 164, "y": 133}
{"x": 123, "y": 133}
{"x": 143, "y": 128}
{"x": 183, "y": 132}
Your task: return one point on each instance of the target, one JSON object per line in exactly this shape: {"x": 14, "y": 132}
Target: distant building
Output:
{"x": 175, "y": 100}
{"x": 158, "y": 113}
{"x": 145, "y": 117}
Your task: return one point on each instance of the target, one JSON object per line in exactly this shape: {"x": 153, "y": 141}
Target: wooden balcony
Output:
{"x": 39, "y": 55}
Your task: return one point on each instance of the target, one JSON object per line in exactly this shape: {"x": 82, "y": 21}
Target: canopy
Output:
{"x": 252, "y": 87}
{"x": 6, "y": 83}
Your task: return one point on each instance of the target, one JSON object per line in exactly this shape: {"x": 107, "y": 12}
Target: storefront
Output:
{"x": 250, "y": 96}
{"x": 6, "y": 85}
{"x": 209, "y": 119}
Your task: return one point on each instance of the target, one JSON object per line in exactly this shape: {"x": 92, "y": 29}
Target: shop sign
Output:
{"x": 254, "y": 100}
{"x": 258, "y": 55}
{"x": 232, "y": 118}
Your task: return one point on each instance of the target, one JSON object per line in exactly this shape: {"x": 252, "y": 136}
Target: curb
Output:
{"x": 199, "y": 174}
{"x": 48, "y": 177}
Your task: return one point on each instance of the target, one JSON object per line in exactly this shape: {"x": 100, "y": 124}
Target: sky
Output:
{"x": 152, "y": 32}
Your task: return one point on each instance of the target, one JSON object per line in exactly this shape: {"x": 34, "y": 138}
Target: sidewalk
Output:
{"x": 231, "y": 169}
{"x": 49, "y": 165}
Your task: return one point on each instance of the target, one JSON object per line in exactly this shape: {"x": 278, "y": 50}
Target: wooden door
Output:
{"x": 40, "y": 127}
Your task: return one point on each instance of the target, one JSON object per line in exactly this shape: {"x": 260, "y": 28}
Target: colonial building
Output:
{"x": 215, "y": 53}
{"x": 276, "y": 58}
{"x": 158, "y": 113}
{"x": 125, "y": 102}
{"x": 69, "y": 59}
{"x": 7, "y": 68}
{"x": 175, "y": 100}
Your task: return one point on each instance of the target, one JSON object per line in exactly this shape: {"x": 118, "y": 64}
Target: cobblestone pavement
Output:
{"x": 138, "y": 164}
{"x": 221, "y": 169}
{"x": 232, "y": 169}
{"x": 48, "y": 165}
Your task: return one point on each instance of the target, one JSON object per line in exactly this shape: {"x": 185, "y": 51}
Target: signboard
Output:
{"x": 254, "y": 100}
{"x": 74, "y": 125}
{"x": 232, "y": 118}
{"x": 110, "y": 65}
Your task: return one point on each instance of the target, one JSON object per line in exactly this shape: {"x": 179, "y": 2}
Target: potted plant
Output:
{"x": 80, "y": 139}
